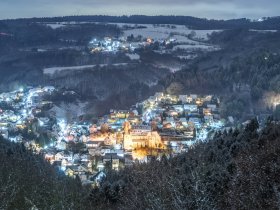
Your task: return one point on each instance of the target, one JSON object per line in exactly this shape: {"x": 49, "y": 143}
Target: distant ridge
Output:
{"x": 267, "y": 23}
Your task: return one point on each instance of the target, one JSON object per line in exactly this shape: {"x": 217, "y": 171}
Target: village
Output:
{"x": 125, "y": 44}
{"x": 162, "y": 125}
{"x": 161, "y": 39}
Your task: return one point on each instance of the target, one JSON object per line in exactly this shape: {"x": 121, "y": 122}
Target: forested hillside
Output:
{"x": 238, "y": 169}
{"x": 242, "y": 72}
{"x": 27, "y": 181}
{"x": 198, "y": 23}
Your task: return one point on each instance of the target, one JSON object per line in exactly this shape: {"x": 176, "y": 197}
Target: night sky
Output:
{"x": 218, "y": 9}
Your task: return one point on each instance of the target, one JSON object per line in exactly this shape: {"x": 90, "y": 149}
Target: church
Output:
{"x": 140, "y": 136}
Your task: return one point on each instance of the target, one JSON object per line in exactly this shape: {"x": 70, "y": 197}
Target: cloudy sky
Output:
{"x": 218, "y": 9}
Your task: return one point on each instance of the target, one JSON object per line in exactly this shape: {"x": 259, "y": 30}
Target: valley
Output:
{"x": 102, "y": 62}
{"x": 139, "y": 112}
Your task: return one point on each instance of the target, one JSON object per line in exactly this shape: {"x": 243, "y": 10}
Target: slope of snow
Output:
{"x": 53, "y": 70}
{"x": 134, "y": 56}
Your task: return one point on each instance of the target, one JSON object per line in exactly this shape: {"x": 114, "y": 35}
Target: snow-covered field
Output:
{"x": 163, "y": 32}
{"x": 53, "y": 70}
{"x": 178, "y": 34}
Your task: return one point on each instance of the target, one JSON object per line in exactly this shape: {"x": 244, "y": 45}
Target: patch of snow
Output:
{"x": 172, "y": 69}
{"x": 183, "y": 40}
{"x": 134, "y": 56}
{"x": 53, "y": 70}
{"x": 151, "y": 84}
{"x": 188, "y": 57}
{"x": 55, "y": 25}
{"x": 263, "y": 31}
{"x": 42, "y": 50}
{"x": 188, "y": 47}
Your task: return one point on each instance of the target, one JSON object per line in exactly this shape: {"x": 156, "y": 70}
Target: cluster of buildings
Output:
{"x": 19, "y": 106}
{"x": 128, "y": 44}
{"x": 112, "y": 45}
{"x": 162, "y": 124}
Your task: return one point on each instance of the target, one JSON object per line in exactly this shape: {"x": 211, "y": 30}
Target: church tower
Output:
{"x": 127, "y": 141}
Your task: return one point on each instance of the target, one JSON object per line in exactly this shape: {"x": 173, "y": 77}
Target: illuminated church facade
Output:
{"x": 140, "y": 136}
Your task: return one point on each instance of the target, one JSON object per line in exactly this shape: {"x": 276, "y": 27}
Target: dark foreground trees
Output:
{"x": 27, "y": 181}
{"x": 238, "y": 169}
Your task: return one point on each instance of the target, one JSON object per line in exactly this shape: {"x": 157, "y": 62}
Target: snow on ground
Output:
{"x": 166, "y": 31}
{"x": 42, "y": 50}
{"x": 123, "y": 25}
{"x": 184, "y": 40}
{"x": 203, "y": 34}
{"x": 157, "y": 32}
{"x": 55, "y": 25}
{"x": 171, "y": 68}
{"x": 151, "y": 84}
{"x": 188, "y": 47}
{"x": 53, "y": 70}
{"x": 179, "y": 34}
{"x": 188, "y": 57}
{"x": 154, "y": 32}
{"x": 134, "y": 56}
{"x": 263, "y": 31}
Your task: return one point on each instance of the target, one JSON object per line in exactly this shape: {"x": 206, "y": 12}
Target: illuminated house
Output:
{"x": 193, "y": 96}
{"x": 206, "y": 111}
{"x": 74, "y": 171}
{"x": 196, "y": 121}
{"x": 159, "y": 95}
{"x": 119, "y": 114}
{"x": 189, "y": 132}
{"x": 112, "y": 158}
{"x": 185, "y": 99}
{"x": 208, "y": 118}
